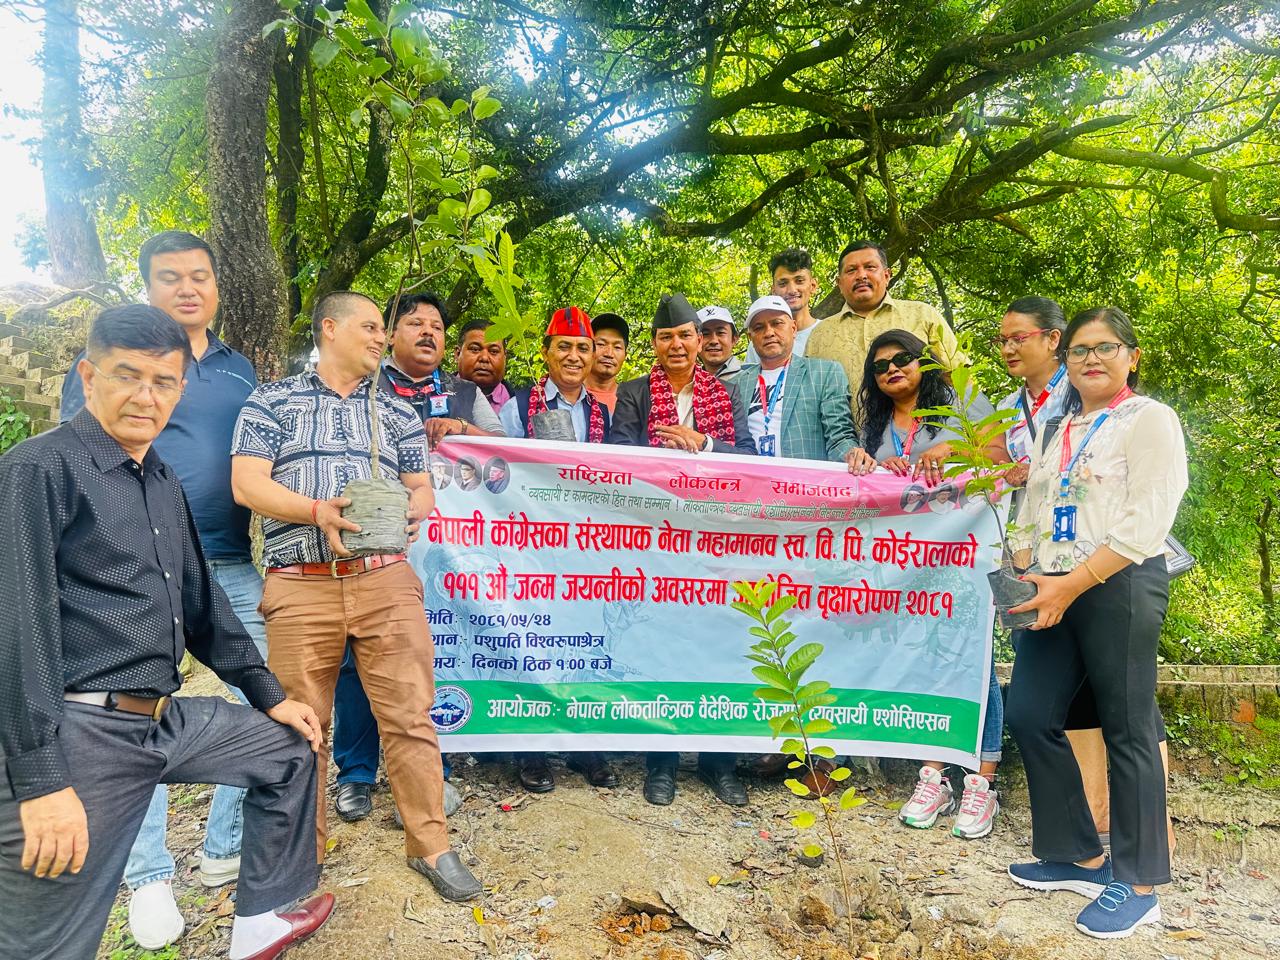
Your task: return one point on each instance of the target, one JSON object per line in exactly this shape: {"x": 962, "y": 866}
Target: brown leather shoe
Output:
{"x": 818, "y": 780}
{"x": 306, "y": 920}
{"x": 769, "y": 765}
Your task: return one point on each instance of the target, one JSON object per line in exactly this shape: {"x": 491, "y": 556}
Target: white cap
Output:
{"x": 770, "y": 302}
{"x": 715, "y": 315}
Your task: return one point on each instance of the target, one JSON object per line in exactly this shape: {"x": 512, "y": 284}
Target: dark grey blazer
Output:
{"x": 631, "y": 419}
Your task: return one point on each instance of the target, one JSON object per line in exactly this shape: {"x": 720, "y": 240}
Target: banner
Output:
{"x": 579, "y": 597}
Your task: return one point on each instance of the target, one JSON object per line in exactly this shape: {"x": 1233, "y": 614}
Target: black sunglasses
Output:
{"x": 899, "y": 360}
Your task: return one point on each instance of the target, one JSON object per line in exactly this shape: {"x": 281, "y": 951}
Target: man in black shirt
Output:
{"x": 104, "y": 587}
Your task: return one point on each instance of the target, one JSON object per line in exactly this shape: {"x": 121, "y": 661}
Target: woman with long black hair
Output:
{"x": 1101, "y": 497}
{"x": 894, "y": 387}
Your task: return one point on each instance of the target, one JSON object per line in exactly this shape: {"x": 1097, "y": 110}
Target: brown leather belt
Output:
{"x": 152, "y": 707}
{"x": 338, "y": 569}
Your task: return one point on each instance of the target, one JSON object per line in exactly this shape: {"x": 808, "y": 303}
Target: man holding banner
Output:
{"x": 567, "y": 349}
{"x": 681, "y": 406}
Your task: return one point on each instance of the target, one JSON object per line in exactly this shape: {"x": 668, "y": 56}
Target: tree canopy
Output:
{"x": 521, "y": 154}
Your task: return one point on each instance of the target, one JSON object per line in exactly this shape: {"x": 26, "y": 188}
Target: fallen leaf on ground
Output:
{"x": 1186, "y": 935}
{"x": 411, "y": 912}
{"x": 354, "y": 882}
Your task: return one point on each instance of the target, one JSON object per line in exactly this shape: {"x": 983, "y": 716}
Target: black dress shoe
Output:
{"x": 354, "y": 801}
{"x": 593, "y": 767}
{"x": 724, "y": 783}
{"x": 535, "y": 775}
{"x": 660, "y": 785}
{"x": 449, "y": 876}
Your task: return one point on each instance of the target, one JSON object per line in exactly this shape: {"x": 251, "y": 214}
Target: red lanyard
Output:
{"x": 1068, "y": 462}
{"x": 1043, "y": 398}
{"x": 904, "y": 449}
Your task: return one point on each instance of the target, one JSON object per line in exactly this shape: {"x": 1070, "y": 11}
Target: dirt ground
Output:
{"x": 587, "y": 873}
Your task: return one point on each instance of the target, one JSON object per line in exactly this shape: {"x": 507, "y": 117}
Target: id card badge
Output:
{"x": 438, "y": 405}
{"x": 765, "y": 445}
{"x": 1064, "y": 524}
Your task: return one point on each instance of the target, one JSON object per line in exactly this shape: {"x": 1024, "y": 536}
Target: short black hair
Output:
{"x": 794, "y": 259}
{"x": 409, "y": 302}
{"x": 171, "y": 241}
{"x": 1121, "y": 327}
{"x": 137, "y": 326}
{"x": 1046, "y": 313}
{"x": 477, "y": 324}
{"x": 337, "y": 305}
{"x": 855, "y": 245}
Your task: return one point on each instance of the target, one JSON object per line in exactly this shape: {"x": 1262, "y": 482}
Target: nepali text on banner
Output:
{"x": 579, "y": 598}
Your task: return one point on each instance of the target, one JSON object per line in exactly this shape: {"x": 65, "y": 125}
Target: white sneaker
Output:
{"x": 217, "y": 871}
{"x": 154, "y": 919}
{"x": 978, "y": 809}
{"x": 932, "y": 799}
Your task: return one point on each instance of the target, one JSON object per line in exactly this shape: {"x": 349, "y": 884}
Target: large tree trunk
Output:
{"x": 74, "y": 249}
{"x": 255, "y": 306}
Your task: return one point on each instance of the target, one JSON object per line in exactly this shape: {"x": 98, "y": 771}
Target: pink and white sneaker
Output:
{"x": 978, "y": 809}
{"x": 932, "y": 799}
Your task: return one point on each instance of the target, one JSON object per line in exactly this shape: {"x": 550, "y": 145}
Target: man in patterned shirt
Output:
{"x": 298, "y": 443}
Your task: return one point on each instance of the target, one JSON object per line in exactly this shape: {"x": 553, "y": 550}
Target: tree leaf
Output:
{"x": 804, "y": 819}
{"x": 323, "y": 51}
{"x": 850, "y": 799}
{"x": 774, "y": 678}
{"x": 812, "y": 850}
{"x": 801, "y": 660}
{"x": 486, "y": 108}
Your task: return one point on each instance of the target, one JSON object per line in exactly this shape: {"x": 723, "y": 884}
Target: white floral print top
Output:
{"x": 1126, "y": 486}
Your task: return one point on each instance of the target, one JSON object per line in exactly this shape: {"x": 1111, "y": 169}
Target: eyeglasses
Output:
{"x": 1017, "y": 340}
{"x": 899, "y": 360}
{"x": 128, "y": 382}
{"x": 1103, "y": 351}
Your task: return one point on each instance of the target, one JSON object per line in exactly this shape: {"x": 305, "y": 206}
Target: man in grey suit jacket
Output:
{"x": 696, "y": 412}
{"x": 796, "y": 406}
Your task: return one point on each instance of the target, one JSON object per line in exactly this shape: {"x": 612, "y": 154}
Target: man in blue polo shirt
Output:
{"x": 181, "y": 279}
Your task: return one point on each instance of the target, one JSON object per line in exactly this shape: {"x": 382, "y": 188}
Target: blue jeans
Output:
{"x": 150, "y": 860}
{"x": 355, "y": 731}
{"x": 993, "y": 725}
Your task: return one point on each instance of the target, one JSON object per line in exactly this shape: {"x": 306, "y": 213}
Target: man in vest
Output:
{"x": 680, "y": 406}
{"x": 567, "y": 349}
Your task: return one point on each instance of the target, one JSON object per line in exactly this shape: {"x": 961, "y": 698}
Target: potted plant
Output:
{"x": 986, "y": 478}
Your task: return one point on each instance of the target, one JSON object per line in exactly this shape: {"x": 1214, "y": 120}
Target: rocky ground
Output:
{"x": 586, "y": 873}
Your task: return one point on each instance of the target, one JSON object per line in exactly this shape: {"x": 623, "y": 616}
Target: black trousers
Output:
{"x": 711, "y": 762}
{"x": 116, "y": 759}
{"x": 1108, "y": 638}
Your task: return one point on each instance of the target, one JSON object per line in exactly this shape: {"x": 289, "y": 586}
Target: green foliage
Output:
{"x": 782, "y": 669}
{"x": 632, "y": 149}
{"x": 15, "y": 425}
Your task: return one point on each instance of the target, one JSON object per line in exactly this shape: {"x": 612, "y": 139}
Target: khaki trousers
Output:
{"x": 310, "y": 621}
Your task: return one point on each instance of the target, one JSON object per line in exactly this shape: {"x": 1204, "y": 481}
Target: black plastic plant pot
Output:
{"x": 554, "y": 425}
{"x": 1009, "y": 591}
{"x": 379, "y": 506}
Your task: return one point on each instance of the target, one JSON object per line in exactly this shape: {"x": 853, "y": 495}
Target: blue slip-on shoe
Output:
{"x": 1049, "y": 875}
{"x": 1118, "y": 912}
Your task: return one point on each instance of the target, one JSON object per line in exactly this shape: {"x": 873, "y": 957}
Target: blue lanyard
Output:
{"x": 771, "y": 401}
{"x": 1065, "y": 466}
{"x": 898, "y": 448}
{"x": 1030, "y": 410}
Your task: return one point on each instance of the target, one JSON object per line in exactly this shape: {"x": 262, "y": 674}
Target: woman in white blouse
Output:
{"x": 1101, "y": 497}
{"x": 1029, "y": 343}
